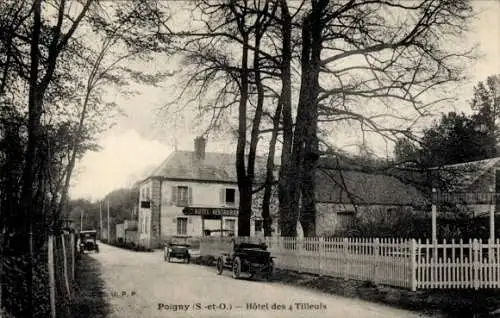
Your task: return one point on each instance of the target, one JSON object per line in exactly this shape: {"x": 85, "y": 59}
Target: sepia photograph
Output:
{"x": 249, "y": 158}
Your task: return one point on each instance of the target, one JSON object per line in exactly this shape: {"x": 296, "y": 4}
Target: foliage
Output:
{"x": 58, "y": 59}
{"x": 122, "y": 204}
{"x": 458, "y": 138}
{"x": 375, "y": 66}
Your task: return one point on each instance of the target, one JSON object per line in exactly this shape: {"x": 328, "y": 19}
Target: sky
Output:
{"x": 144, "y": 137}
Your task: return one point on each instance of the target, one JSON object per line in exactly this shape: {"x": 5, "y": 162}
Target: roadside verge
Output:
{"x": 89, "y": 298}
{"x": 441, "y": 303}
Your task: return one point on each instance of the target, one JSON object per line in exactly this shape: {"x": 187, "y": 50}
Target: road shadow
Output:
{"x": 89, "y": 297}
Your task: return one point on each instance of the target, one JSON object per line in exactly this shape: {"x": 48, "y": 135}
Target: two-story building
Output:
{"x": 190, "y": 194}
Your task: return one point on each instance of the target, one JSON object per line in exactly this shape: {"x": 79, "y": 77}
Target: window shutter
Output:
{"x": 174, "y": 195}
{"x": 222, "y": 195}
{"x": 237, "y": 197}
{"x": 190, "y": 195}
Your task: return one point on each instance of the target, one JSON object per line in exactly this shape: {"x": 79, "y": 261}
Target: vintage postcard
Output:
{"x": 253, "y": 158}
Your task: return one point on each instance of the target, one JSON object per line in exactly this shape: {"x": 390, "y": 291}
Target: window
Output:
{"x": 147, "y": 195}
{"x": 345, "y": 219}
{"x": 182, "y": 195}
{"x": 389, "y": 215}
{"x": 230, "y": 196}
{"x": 258, "y": 225}
{"x": 182, "y": 226}
{"x": 146, "y": 227}
{"x": 230, "y": 224}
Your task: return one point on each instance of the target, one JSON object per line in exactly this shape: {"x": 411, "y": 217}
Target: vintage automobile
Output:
{"x": 88, "y": 241}
{"x": 248, "y": 258}
{"x": 222, "y": 233}
{"x": 177, "y": 251}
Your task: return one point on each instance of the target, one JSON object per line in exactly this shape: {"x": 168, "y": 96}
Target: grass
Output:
{"x": 89, "y": 296}
{"x": 443, "y": 303}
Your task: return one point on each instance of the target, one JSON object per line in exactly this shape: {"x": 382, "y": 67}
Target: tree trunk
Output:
{"x": 268, "y": 188}
{"x": 25, "y": 227}
{"x": 287, "y": 215}
{"x": 244, "y": 184}
{"x": 301, "y": 127}
{"x": 311, "y": 151}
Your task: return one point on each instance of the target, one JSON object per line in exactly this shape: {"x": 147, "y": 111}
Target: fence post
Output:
{"x": 376, "y": 259}
{"x": 65, "y": 265}
{"x": 321, "y": 250}
{"x": 345, "y": 253}
{"x": 52, "y": 287}
{"x": 413, "y": 264}
{"x": 475, "y": 271}
{"x": 73, "y": 251}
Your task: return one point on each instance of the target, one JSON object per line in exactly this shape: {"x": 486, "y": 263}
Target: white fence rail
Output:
{"x": 403, "y": 263}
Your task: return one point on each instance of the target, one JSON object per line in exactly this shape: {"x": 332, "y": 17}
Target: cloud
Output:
{"x": 123, "y": 159}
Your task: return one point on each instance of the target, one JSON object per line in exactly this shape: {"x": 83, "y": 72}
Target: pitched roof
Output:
{"x": 215, "y": 166}
{"x": 462, "y": 176}
{"x": 185, "y": 165}
{"x": 359, "y": 187}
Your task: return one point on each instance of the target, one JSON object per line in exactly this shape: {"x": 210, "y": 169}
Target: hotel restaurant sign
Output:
{"x": 210, "y": 211}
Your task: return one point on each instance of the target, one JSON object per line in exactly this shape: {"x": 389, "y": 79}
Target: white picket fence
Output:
{"x": 406, "y": 263}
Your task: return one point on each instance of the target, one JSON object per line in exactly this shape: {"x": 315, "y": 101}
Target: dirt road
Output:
{"x": 143, "y": 285}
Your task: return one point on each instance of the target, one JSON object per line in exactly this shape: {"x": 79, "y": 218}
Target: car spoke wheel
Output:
{"x": 220, "y": 266}
{"x": 236, "y": 267}
{"x": 270, "y": 272}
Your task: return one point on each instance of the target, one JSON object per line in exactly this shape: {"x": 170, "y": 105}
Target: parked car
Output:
{"x": 222, "y": 233}
{"x": 177, "y": 251}
{"x": 88, "y": 241}
{"x": 248, "y": 258}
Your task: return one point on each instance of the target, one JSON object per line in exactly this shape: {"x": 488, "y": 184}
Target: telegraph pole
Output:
{"x": 81, "y": 220}
{"x": 100, "y": 219}
{"x": 109, "y": 234}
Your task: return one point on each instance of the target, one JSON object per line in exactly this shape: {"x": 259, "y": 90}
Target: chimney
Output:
{"x": 199, "y": 147}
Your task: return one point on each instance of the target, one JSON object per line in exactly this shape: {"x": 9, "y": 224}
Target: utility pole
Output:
{"x": 100, "y": 219}
{"x": 109, "y": 234}
{"x": 81, "y": 220}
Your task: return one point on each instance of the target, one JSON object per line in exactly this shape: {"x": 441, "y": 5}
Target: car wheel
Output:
{"x": 270, "y": 271}
{"x": 237, "y": 267}
{"x": 220, "y": 266}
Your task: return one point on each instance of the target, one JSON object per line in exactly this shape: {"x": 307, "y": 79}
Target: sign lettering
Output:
{"x": 210, "y": 211}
